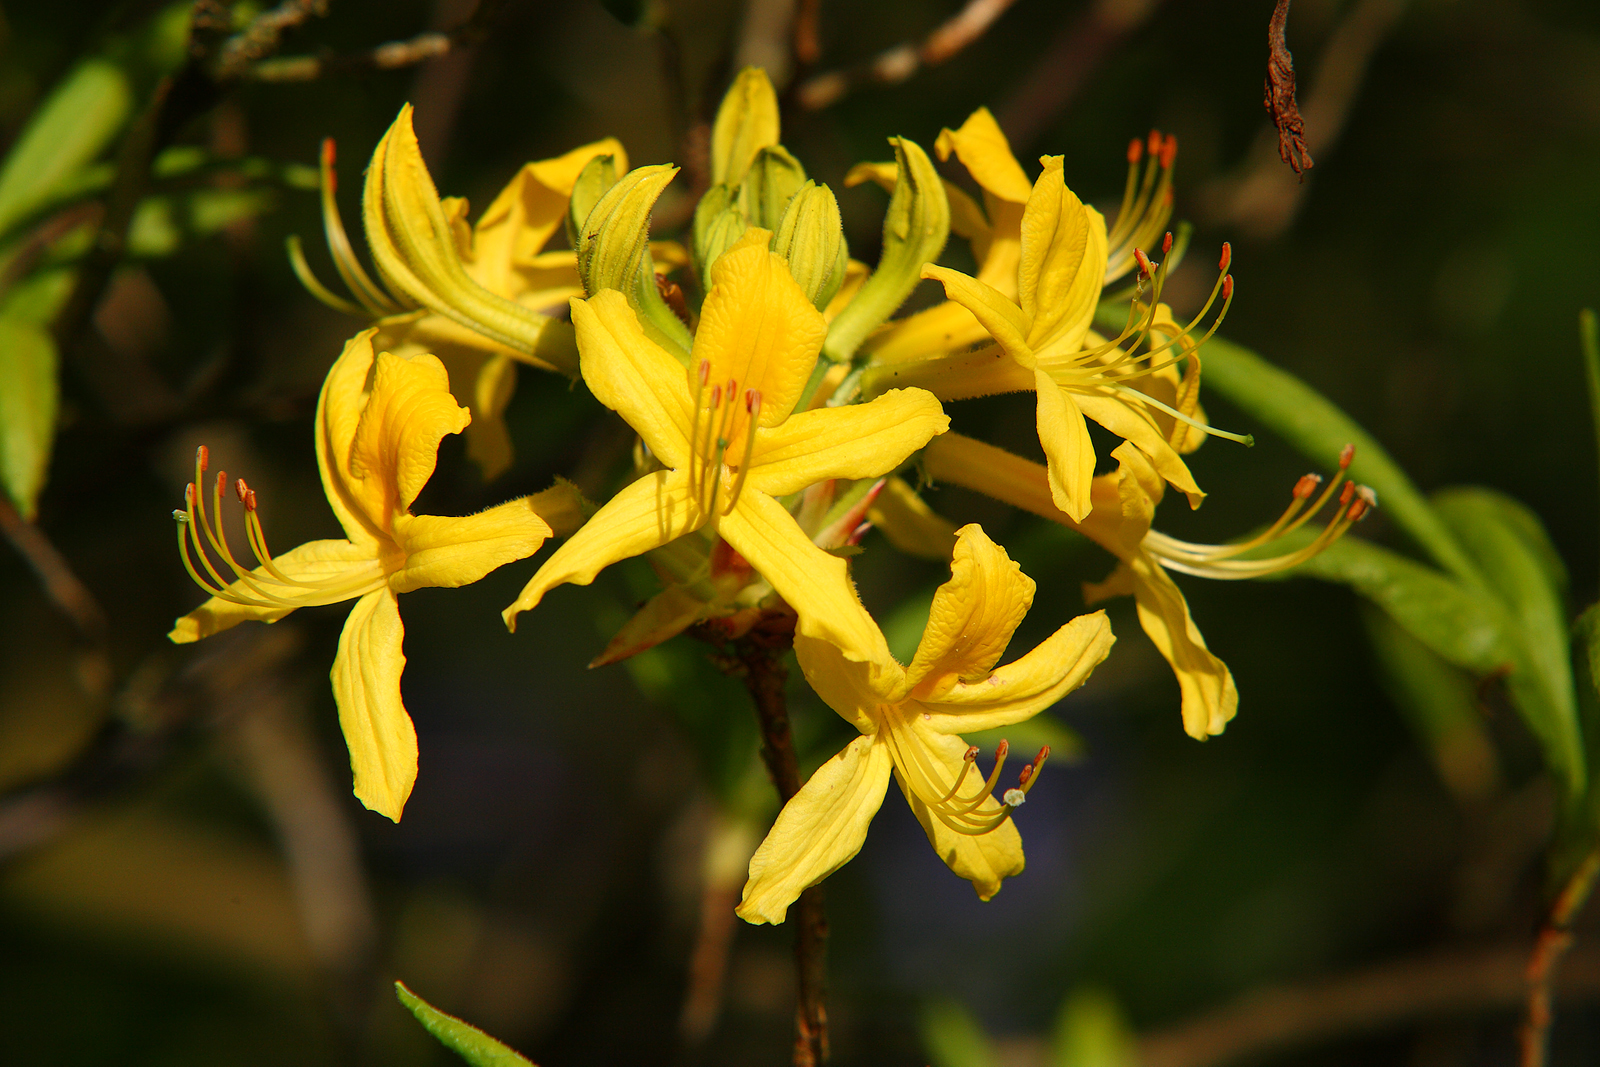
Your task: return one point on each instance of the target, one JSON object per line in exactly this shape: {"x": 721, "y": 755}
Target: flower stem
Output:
{"x": 1555, "y": 938}
{"x": 761, "y": 653}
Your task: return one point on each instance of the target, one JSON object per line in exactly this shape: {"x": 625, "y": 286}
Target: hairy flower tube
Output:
{"x": 379, "y": 422}
{"x": 910, "y": 718}
{"x": 1124, "y": 506}
{"x": 730, "y": 442}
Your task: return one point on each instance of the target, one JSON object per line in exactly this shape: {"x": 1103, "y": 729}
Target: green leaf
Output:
{"x": 1509, "y": 544}
{"x": 473, "y": 1045}
{"x": 27, "y": 409}
{"x": 1319, "y": 430}
{"x": 953, "y": 1037}
{"x": 73, "y": 125}
{"x": 1589, "y": 342}
{"x": 1464, "y": 627}
{"x": 1092, "y": 1032}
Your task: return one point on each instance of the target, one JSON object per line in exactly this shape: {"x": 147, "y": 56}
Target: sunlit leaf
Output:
{"x": 67, "y": 132}
{"x": 953, "y": 1037}
{"x": 27, "y": 409}
{"x": 1092, "y": 1032}
{"x": 473, "y": 1045}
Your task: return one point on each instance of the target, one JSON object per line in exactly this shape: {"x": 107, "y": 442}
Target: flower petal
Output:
{"x": 985, "y": 860}
{"x": 817, "y": 585}
{"x": 853, "y": 688}
{"x": 453, "y": 552}
{"x": 339, "y": 407}
{"x": 409, "y": 411}
{"x": 936, "y": 331}
{"x": 1210, "y": 698}
{"x": 758, "y": 328}
{"x": 634, "y": 376}
{"x": 855, "y": 441}
{"x": 818, "y": 831}
{"x": 982, "y": 147}
{"x": 1067, "y": 448}
{"x": 321, "y": 562}
{"x": 366, "y": 685}
{"x": 1003, "y": 320}
{"x": 1023, "y": 688}
{"x": 909, "y": 524}
{"x": 972, "y": 617}
{"x": 1126, "y": 417}
{"x": 667, "y": 614}
{"x": 647, "y": 514}
{"x": 1063, "y": 262}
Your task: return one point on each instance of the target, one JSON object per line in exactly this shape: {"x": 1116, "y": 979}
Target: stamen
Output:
{"x": 372, "y": 297}
{"x": 752, "y": 407}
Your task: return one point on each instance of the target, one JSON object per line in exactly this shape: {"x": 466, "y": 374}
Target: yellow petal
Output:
{"x": 818, "y": 831}
{"x": 488, "y": 440}
{"x": 909, "y": 524}
{"x": 339, "y": 406}
{"x": 855, "y": 441}
{"x": 757, "y": 328}
{"x": 453, "y": 552}
{"x": 514, "y": 228}
{"x": 342, "y": 569}
{"x": 968, "y": 221}
{"x": 972, "y": 617}
{"x": 1023, "y": 688}
{"x": 396, "y": 445}
{"x": 1003, "y": 320}
{"x": 985, "y": 372}
{"x": 998, "y": 264}
{"x": 1125, "y": 416}
{"x": 1063, "y": 261}
{"x": 983, "y": 149}
{"x": 853, "y": 688}
{"x": 1067, "y": 448}
{"x": 983, "y": 859}
{"x": 817, "y": 585}
{"x": 645, "y": 515}
{"x": 936, "y": 331}
{"x": 885, "y": 175}
{"x": 633, "y": 376}
{"x": 1210, "y": 697}
{"x": 366, "y": 686}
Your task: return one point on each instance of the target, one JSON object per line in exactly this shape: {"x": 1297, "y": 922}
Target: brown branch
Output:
{"x": 1279, "y": 94}
{"x": 757, "y": 658}
{"x": 1555, "y": 939}
{"x": 807, "y": 32}
{"x": 70, "y": 596}
{"x": 1290, "y": 1016}
{"x": 263, "y": 36}
{"x": 390, "y": 56}
{"x": 903, "y": 60}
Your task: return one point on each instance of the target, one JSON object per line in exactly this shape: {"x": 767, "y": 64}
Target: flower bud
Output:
{"x": 614, "y": 253}
{"x": 774, "y": 177}
{"x": 594, "y": 181}
{"x": 746, "y": 123}
{"x": 718, "y": 225}
{"x": 811, "y": 237}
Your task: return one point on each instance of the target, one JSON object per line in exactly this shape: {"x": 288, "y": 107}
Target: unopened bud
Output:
{"x": 747, "y": 122}
{"x": 811, "y": 237}
{"x": 718, "y": 224}
{"x": 594, "y": 181}
{"x": 773, "y": 179}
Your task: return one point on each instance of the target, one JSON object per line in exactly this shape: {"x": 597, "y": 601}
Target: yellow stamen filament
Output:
{"x": 711, "y": 447}
{"x": 955, "y": 811}
{"x": 373, "y": 301}
{"x": 1146, "y": 206}
{"x": 1219, "y": 561}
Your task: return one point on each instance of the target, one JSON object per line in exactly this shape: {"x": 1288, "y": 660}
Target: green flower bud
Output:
{"x": 614, "y": 253}
{"x": 773, "y": 178}
{"x": 718, "y": 224}
{"x": 811, "y": 237}
{"x": 914, "y": 232}
{"x": 594, "y": 181}
{"x": 746, "y": 123}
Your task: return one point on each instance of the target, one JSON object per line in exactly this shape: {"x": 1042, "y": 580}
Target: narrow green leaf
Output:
{"x": 1318, "y": 429}
{"x": 1465, "y": 627}
{"x": 1092, "y": 1032}
{"x": 473, "y": 1045}
{"x": 1589, "y": 342}
{"x": 73, "y": 125}
{"x": 1509, "y": 545}
{"x": 953, "y": 1037}
{"x": 27, "y": 409}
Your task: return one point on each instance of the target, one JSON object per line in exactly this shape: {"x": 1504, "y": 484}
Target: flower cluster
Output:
{"x": 781, "y": 411}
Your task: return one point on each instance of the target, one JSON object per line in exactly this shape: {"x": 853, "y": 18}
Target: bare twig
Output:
{"x": 758, "y": 659}
{"x": 1279, "y": 94}
{"x": 1291, "y": 1016}
{"x": 263, "y": 36}
{"x": 808, "y": 32}
{"x": 390, "y": 56}
{"x": 70, "y": 596}
{"x": 903, "y": 60}
{"x": 1555, "y": 938}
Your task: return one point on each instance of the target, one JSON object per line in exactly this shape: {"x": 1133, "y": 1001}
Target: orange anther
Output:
{"x": 1358, "y": 510}
{"x": 240, "y": 488}
{"x": 1166, "y": 243}
{"x": 1135, "y": 150}
{"x": 188, "y": 494}
{"x": 202, "y": 457}
{"x": 1348, "y": 492}
{"x": 972, "y": 753}
{"x": 1154, "y": 144}
{"x": 1144, "y": 262}
{"x": 752, "y": 400}
{"x": 1001, "y": 749}
{"x": 1169, "y": 151}
{"x": 1346, "y": 455}
{"x": 1026, "y": 773}
{"x": 1044, "y": 754}
{"x": 1227, "y": 288}
{"x": 1306, "y": 486}
{"x": 250, "y": 505}
{"x": 1227, "y": 256}
{"x": 222, "y": 483}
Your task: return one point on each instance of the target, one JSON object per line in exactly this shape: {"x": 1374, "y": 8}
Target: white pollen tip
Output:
{"x": 181, "y": 516}
{"x": 1015, "y": 798}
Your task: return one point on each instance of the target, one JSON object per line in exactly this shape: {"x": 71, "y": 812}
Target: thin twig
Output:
{"x": 390, "y": 56}
{"x": 758, "y": 659}
{"x": 808, "y": 32}
{"x": 903, "y": 60}
{"x": 1555, "y": 938}
{"x": 263, "y": 36}
{"x": 1292, "y": 1016}
{"x": 1279, "y": 94}
{"x": 70, "y": 596}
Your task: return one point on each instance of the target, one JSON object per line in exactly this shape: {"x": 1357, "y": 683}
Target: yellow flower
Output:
{"x": 726, "y": 432}
{"x": 1124, "y": 505}
{"x": 519, "y": 290}
{"x": 376, "y": 446}
{"x": 910, "y": 719}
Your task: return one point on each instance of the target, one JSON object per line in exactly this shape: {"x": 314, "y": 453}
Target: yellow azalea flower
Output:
{"x": 1124, "y": 505}
{"x": 379, "y": 422}
{"x": 502, "y": 257}
{"x": 910, "y": 720}
{"x": 726, "y": 432}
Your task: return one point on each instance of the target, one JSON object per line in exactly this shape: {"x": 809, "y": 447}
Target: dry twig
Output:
{"x": 70, "y": 596}
{"x": 1279, "y": 94}
{"x": 1555, "y": 938}
{"x": 390, "y": 56}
